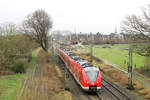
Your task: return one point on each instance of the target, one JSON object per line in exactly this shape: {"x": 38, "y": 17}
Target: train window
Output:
{"x": 92, "y": 75}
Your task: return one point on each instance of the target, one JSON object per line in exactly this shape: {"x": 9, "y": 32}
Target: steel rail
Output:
{"x": 118, "y": 93}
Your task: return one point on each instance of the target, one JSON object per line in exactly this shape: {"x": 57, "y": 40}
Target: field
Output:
{"x": 118, "y": 54}
{"x": 10, "y": 85}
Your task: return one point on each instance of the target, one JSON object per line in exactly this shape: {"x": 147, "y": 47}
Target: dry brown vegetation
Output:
{"x": 143, "y": 72}
{"x": 48, "y": 82}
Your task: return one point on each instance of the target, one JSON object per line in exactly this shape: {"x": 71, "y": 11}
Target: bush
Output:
{"x": 18, "y": 67}
{"x": 48, "y": 60}
{"x": 96, "y": 42}
{"x": 25, "y": 61}
{"x": 85, "y": 43}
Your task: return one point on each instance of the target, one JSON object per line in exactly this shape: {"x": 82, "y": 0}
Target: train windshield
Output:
{"x": 92, "y": 75}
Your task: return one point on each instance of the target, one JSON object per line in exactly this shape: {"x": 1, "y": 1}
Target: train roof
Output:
{"x": 83, "y": 63}
{"x": 76, "y": 58}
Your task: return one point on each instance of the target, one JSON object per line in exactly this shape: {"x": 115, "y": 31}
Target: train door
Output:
{"x": 74, "y": 69}
{"x": 63, "y": 56}
{"x": 80, "y": 73}
{"x": 78, "y": 70}
{"x": 68, "y": 61}
{"x": 71, "y": 66}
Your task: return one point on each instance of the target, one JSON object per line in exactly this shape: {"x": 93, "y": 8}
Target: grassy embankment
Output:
{"x": 10, "y": 85}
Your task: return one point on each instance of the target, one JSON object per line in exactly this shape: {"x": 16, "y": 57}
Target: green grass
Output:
{"x": 117, "y": 54}
{"x": 34, "y": 61}
{"x": 10, "y": 85}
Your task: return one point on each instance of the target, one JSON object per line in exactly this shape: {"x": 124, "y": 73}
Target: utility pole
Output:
{"x": 130, "y": 72}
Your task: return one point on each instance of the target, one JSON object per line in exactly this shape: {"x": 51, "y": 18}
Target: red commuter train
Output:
{"x": 86, "y": 75}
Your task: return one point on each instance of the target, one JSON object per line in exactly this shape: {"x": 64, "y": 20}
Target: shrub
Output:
{"x": 25, "y": 61}
{"x": 18, "y": 67}
{"x": 85, "y": 43}
{"x": 96, "y": 42}
{"x": 48, "y": 60}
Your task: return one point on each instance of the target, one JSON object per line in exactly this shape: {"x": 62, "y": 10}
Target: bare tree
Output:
{"x": 139, "y": 28}
{"x": 138, "y": 25}
{"x": 38, "y": 25}
{"x": 8, "y": 29}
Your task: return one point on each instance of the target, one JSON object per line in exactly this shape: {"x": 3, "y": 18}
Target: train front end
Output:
{"x": 92, "y": 79}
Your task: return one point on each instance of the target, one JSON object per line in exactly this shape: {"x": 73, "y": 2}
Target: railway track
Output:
{"x": 114, "y": 91}
{"x": 78, "y": 93}
{"x": 118, "y": 93}
{"x": 94, "y": 96}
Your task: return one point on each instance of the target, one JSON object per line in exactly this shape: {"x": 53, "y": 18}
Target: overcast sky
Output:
{"x": 75, "y": 15}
